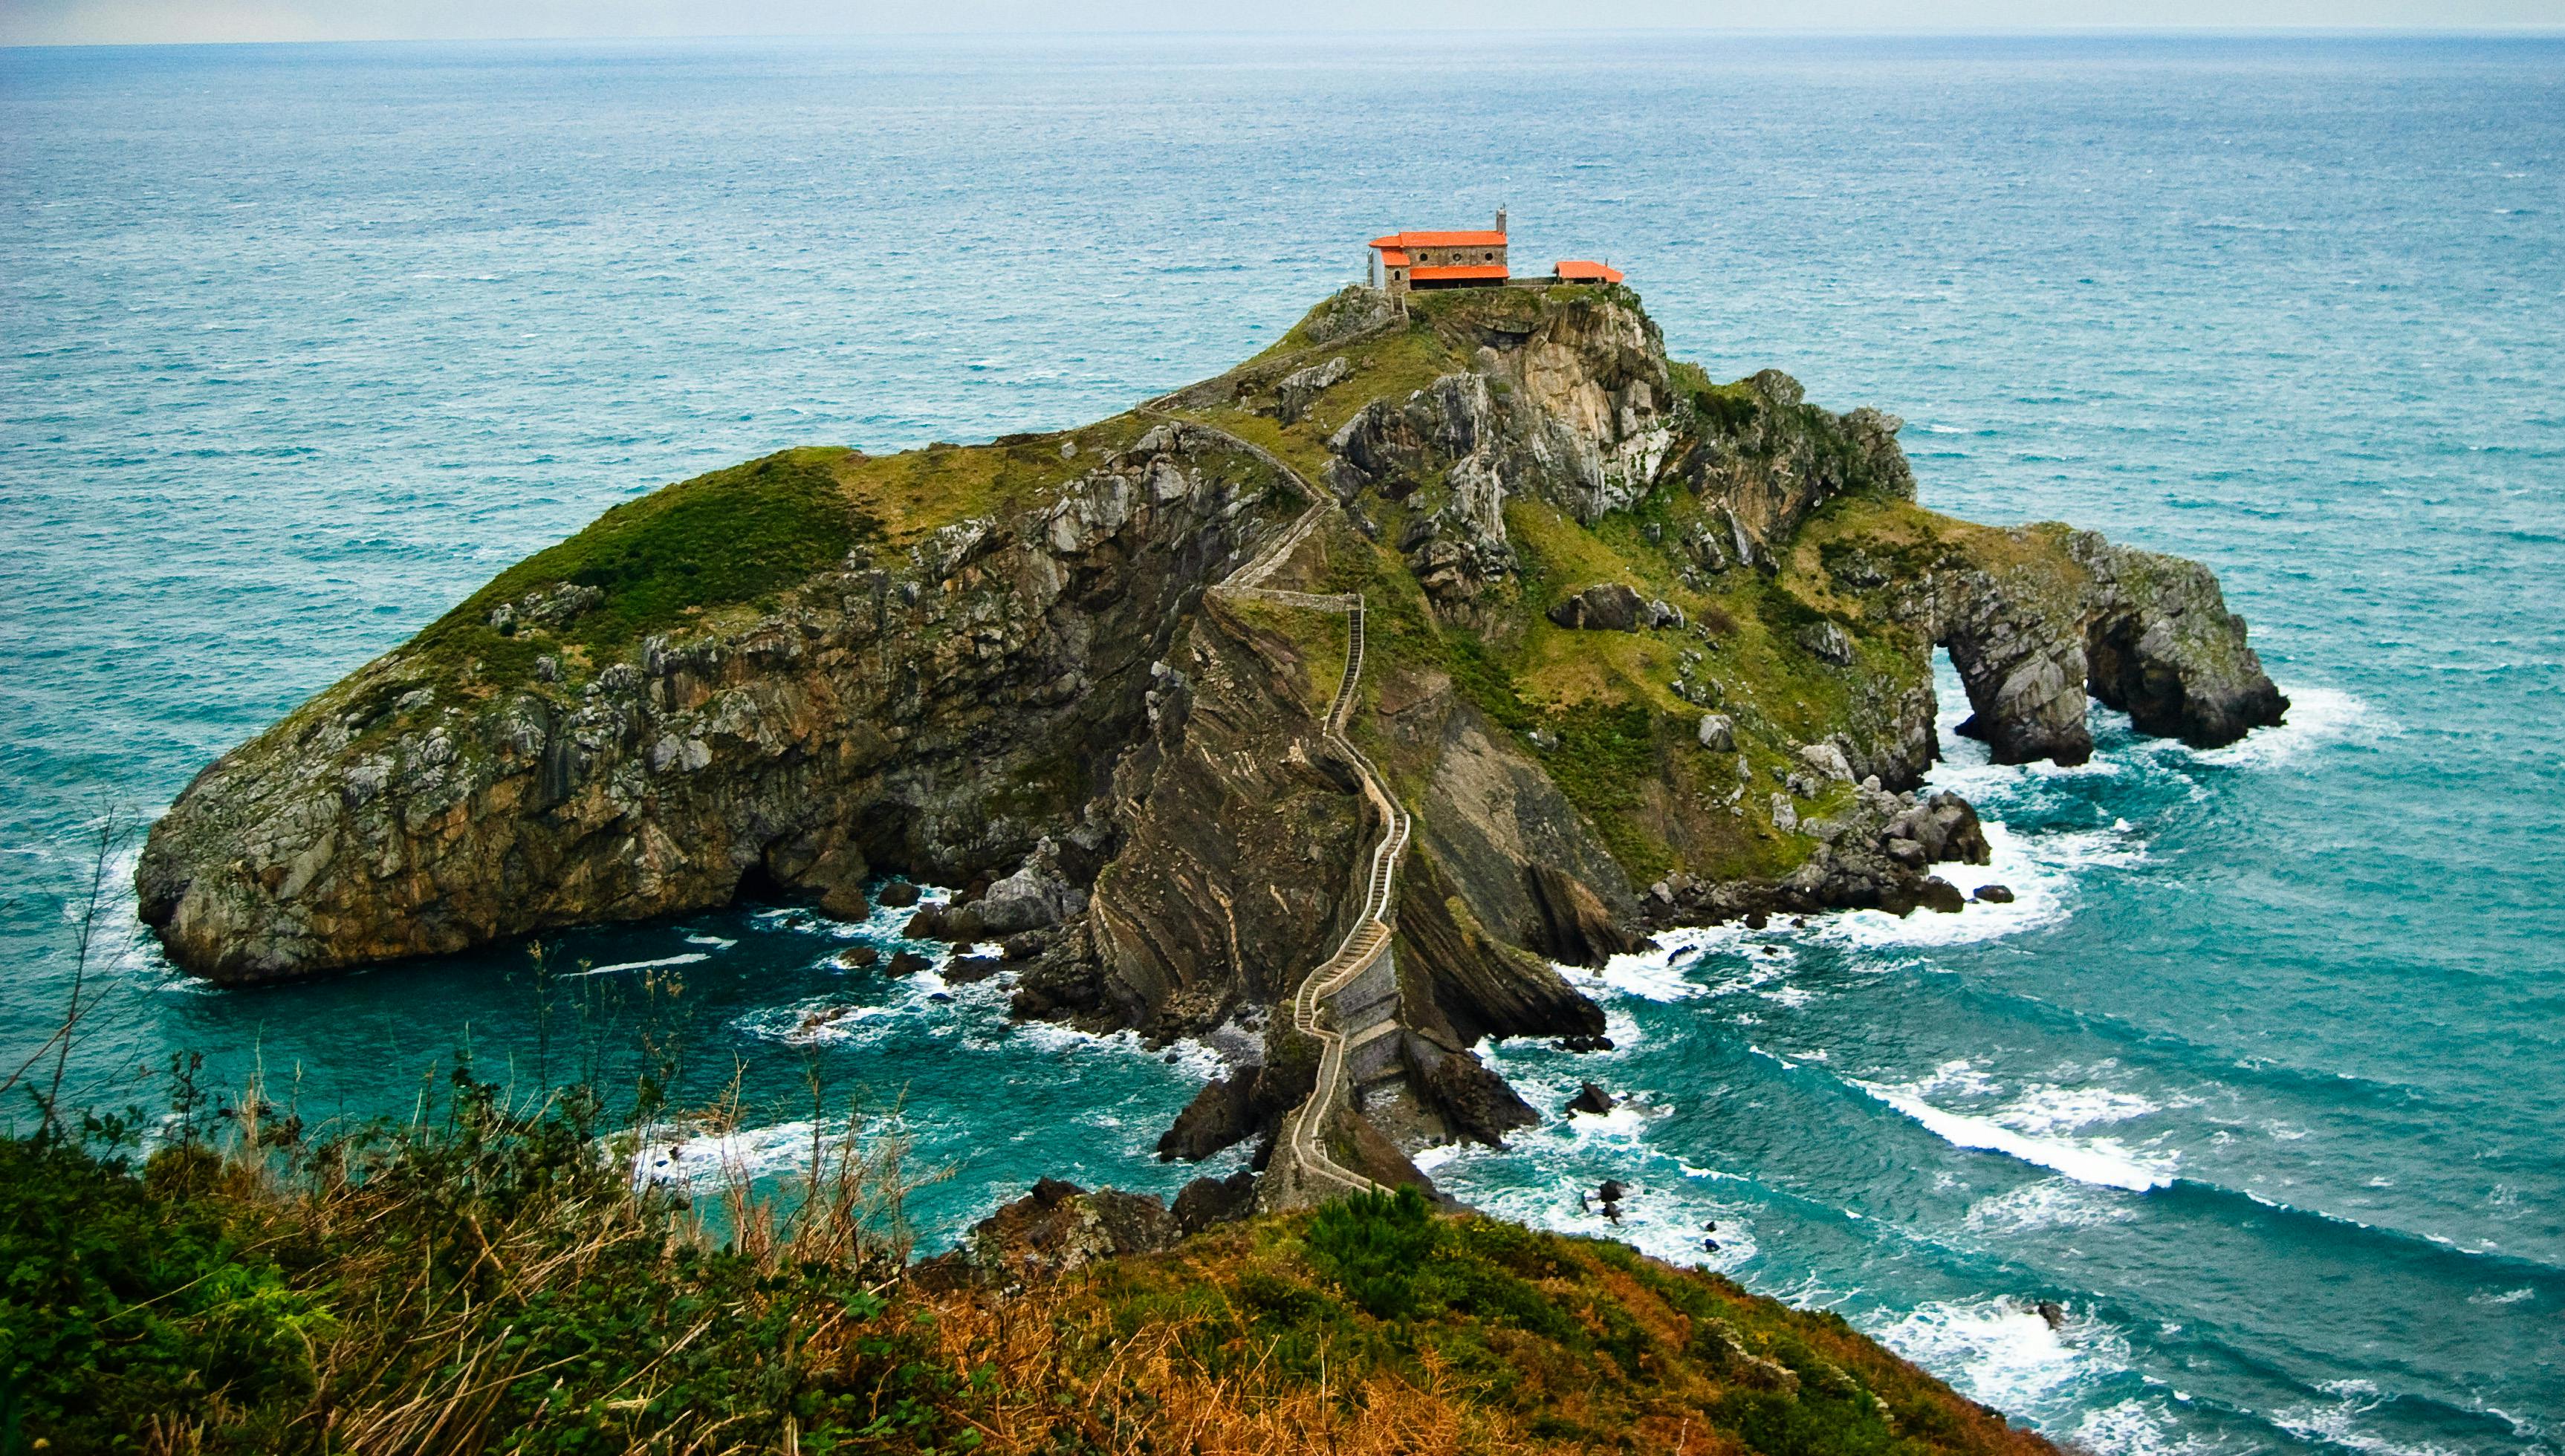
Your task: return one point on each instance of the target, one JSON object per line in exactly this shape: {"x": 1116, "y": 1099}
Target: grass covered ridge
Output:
{"x": 487, "y": 1277}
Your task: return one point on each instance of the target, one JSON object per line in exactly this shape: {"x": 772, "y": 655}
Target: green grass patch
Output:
{"x": 736, "y": 537}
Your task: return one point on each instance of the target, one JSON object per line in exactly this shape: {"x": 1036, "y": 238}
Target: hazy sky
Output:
{"x": 77, "y": 21}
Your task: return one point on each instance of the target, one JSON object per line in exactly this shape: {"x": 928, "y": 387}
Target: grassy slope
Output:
{"x": 486, "y": 1277}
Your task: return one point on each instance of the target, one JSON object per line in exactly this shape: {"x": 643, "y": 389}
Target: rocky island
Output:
{"x": 1469, "y": 617}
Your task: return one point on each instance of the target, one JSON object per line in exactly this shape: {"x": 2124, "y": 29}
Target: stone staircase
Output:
{"x": 1347, "y": 1003}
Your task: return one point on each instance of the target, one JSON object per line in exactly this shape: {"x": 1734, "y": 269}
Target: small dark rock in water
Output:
{"x": 898, "y": 894}
{"x": 965, "y": 948}
{"x": 2053, "y": 1312}
{"x": 1757, "y": 920}
{"x": 941, "y": 996}
{"x": 926, "y": 925}
{"x": 907, "y": 963}
{"x": 965, "y": 970}
{"x": 1591, "y": 1099}
{"x": 1771, "y": 949}
{"x": 1802, "y": 923}
{"x": 857, "y": 957}
{"x": 1583, "y": 1043}
{"x": 1940, "y": 894}
{"x": 1995, "y": 894}
{"x": 1611, "y": 1190}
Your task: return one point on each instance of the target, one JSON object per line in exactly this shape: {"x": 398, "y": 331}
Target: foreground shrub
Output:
{"x": 490, "y": 1278}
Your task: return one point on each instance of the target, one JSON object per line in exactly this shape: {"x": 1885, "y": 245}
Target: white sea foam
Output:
{"x": 2044, "y": 1109}
{"x": 2130, "y": 1428}
{"x": 716, "y": 942}
{"x": 683, "y": 1156}
{"x": 1659, "y": 973}
{"x": 2001, "y": 1351}
{"x": 2317, "y": 717}
{"x": 2049, "y": 1203}
{"x": 2338, "y": 1423}
{"x": 2106, "y": 1161}
{"x": 689, "y": 959}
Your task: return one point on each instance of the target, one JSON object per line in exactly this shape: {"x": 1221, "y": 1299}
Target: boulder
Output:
{"x": 1611, "y": 607}
{"x": 1060, "y": 1226}
{"x": 898, "y": 894}
{"x": 1591, "y": 1100}
{"x": 1207, "y": 1201}
{"x": 1222, "y": 1114}
{"x": 1942, "y": 828}
{"x": 1828, "y": 643}
{"x": 1994, "y": 895}
{"x": 1034, "y": 897}
{"x": 965, "y": 970}
{"x": 1302, "y": 387}
{"x": 907, "y": 963}
{"x": 857, "y": 957}
{"x": 1719, "y": 732}
{"x": 1828, "y": 759}
{"x": 1473, "y": 1100}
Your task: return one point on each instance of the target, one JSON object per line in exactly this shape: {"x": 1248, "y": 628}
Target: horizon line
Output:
{"x": 2527, "y": 31}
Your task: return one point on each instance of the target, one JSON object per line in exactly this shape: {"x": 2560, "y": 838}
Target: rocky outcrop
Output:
{"x": 1299, "y": 388}
{"x": 1471, "y": 1100}
{"x": 2148, "y": 634}
{"x": 1236, "y": 825}
{"x": 1573, "y": 926}
{"x": 1878, "y": 853}
{"x": 934, "y": 716}
{"x": 1460, "y": 985}
{"x": 1060, "y": 1227}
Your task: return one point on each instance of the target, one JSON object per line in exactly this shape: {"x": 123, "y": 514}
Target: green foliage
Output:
{"x": 490, "y": 1267}
{"x": 1374, "y": 1244}
{"x": 733, "y": 536}
{"x": 121, "y": 1299}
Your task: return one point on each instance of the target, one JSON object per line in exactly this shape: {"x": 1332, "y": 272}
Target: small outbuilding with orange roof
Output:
{"x": 1579, "y": 270}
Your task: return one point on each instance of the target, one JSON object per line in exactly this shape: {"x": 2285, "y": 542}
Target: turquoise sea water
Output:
{"x": 2261, "y": 1073}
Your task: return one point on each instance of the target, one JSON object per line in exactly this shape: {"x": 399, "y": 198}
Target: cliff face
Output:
{"x": 1642, "y": 649}
{"x": 935, "y": 711}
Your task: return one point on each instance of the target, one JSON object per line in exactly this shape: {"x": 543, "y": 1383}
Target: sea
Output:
{"x": 2259, "y": 1079}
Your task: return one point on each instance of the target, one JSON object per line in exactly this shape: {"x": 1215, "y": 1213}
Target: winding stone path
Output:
{"x": 1303, "y": 1142}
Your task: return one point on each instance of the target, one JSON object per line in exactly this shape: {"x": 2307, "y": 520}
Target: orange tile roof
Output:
{"x": 1440, "y": 240}
{"x": 1578, "y": 269}
{"x": 1493, "y": 272}
{"x": 1393, "y": 258}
